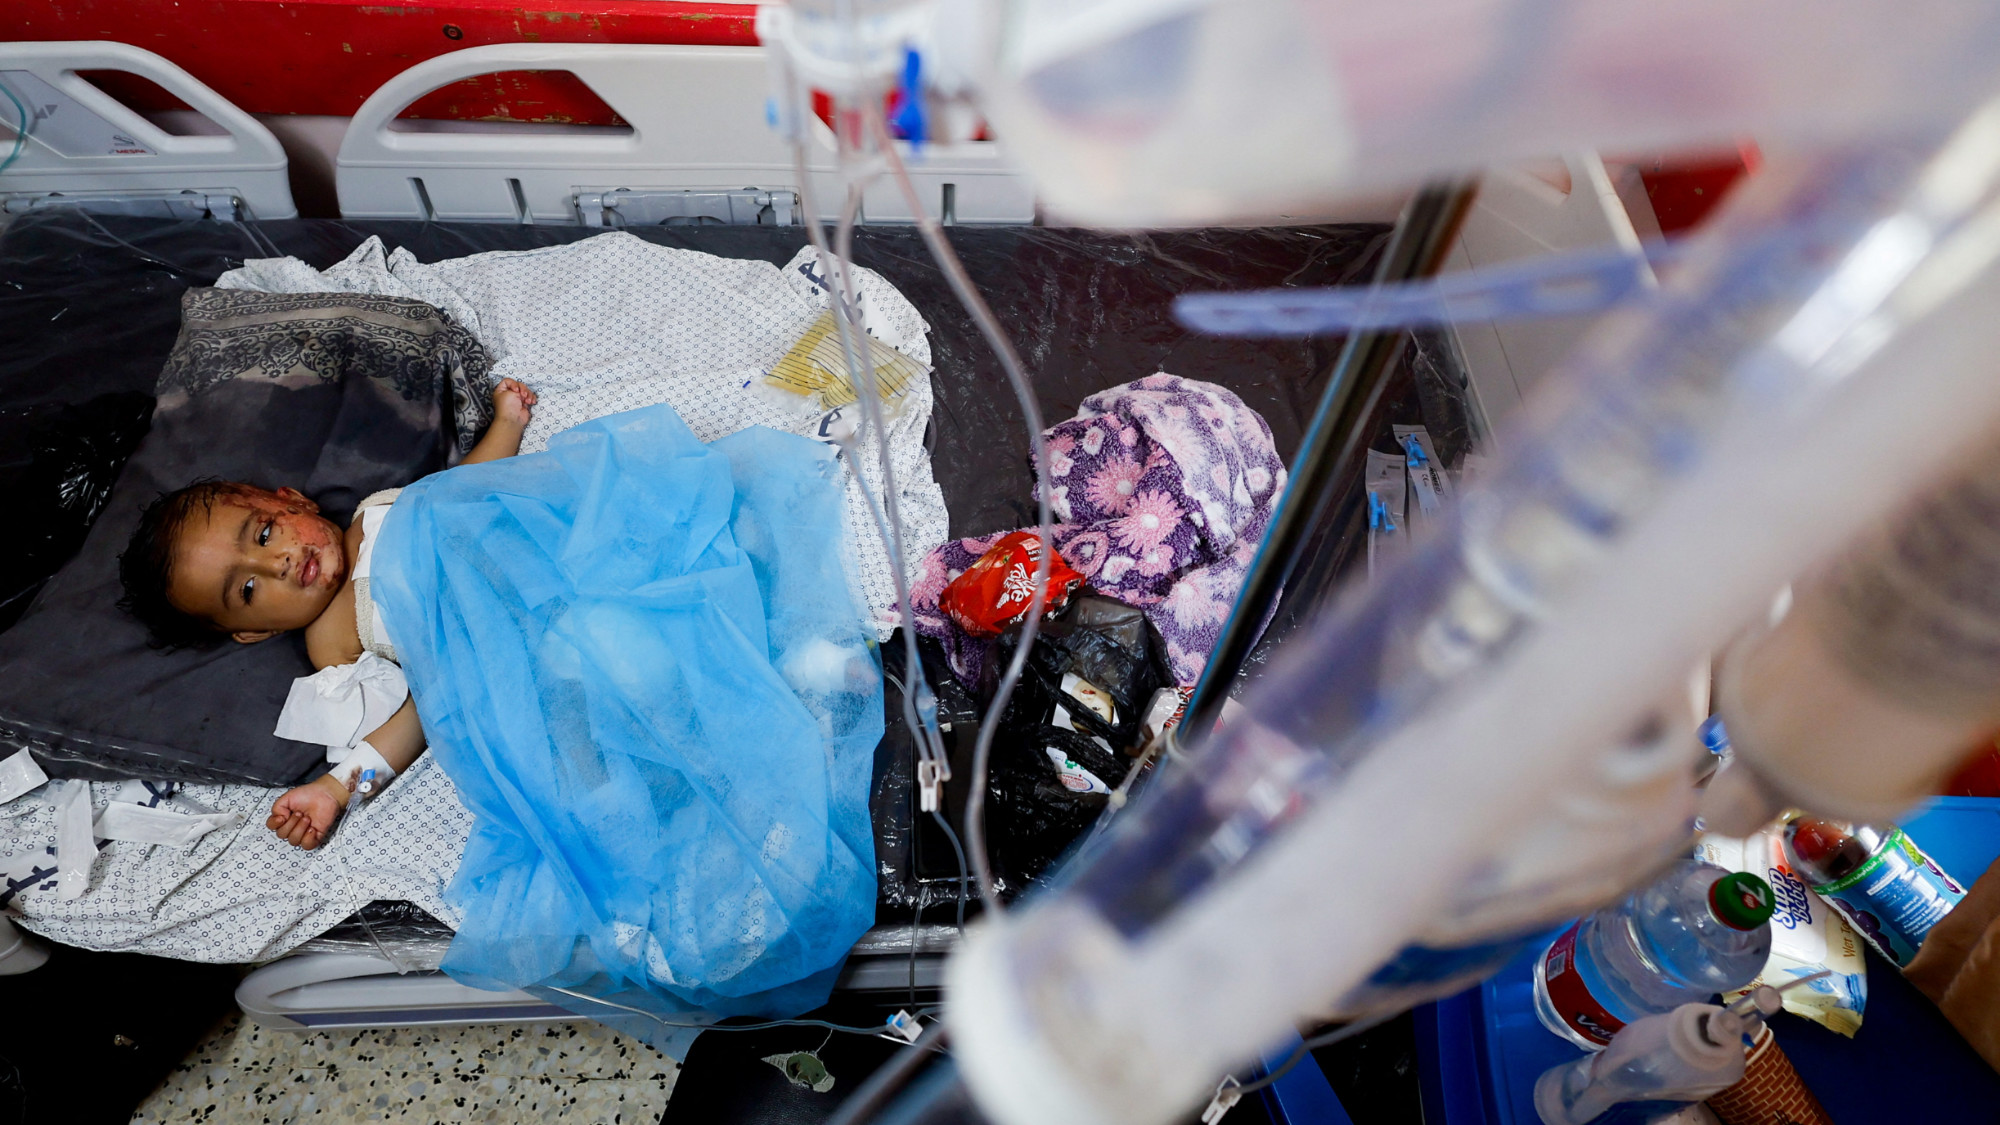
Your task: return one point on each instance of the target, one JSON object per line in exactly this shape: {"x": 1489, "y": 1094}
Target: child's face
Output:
{"x": 258, "y": 563}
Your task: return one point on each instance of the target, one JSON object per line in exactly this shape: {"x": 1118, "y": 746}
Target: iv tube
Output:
{"x": 919, "y": 704}
{"x": 923, "y": 723}
{"x": 1031, "y": 413}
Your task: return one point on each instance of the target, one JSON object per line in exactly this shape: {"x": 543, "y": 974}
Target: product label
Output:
{"x": 1074, "y": 777}
{"x": 1571, "y": 997}
{"x": 1091, "y": 696}
{"x": 1428, "y": 482}
{"x": 1387, "y": 488}
{"x": 1793, "y": 933}
{"x": 1895, "y": 898}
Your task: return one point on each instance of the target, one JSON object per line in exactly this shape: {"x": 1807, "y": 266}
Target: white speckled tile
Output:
{"x": 494, "y": 1074}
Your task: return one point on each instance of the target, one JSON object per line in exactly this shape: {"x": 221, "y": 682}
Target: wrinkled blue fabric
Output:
{"x": 636, "y": 657}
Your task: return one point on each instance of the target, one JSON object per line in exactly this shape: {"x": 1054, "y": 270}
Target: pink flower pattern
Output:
{"x": 932, "y": 578}
{"x": 1166, "y": 517}
{"x": 1111, "y": 487}
{"x": 1150, "y": 521}
{"x": 1085, "y": 552}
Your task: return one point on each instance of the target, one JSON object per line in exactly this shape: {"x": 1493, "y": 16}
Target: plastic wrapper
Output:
{"x": 401, "y": 933}
{"x": 1807, "y": 936}
{"x": 916, "y": 868}
{"x": 816, "y": 368}
{"x": 997, "y": 589}
{"x": 1388, "y": 523}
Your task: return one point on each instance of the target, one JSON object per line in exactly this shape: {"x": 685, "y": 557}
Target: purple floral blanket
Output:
{"x": 1161, "y": 489}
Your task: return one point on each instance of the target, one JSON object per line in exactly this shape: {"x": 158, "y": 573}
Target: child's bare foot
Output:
{"x": 305, "y": 816}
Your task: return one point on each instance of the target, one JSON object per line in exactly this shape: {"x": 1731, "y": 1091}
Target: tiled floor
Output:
{"x": 498, "y": 1074}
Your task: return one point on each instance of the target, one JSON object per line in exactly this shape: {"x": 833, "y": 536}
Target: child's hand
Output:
{"x": 305, "y": 815}
{"x": 513, "y": 402}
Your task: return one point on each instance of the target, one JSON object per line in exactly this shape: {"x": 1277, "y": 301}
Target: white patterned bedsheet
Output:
{"x": 614, "y": 323}
{"x": 597, "y": 326}
{"x": 238, "y": 894}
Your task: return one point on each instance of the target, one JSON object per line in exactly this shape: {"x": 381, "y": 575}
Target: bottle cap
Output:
{"x": 1714, "y": 736}
{"x": 1705, "y": 1036}
{"x": 1740, "y": 900}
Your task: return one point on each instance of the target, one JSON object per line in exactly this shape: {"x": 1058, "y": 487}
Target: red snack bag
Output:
{"x": 994, "y": 592}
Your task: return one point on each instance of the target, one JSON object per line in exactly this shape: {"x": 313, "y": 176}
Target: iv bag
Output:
{"x": 1185, "y": 112}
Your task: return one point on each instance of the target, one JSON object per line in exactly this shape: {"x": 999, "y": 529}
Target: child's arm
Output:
{"x": 305, "y": 816}
{"x": 513, "y": 408}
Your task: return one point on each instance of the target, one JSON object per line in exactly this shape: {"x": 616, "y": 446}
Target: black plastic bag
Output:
{"x": 1058, "y": 755}
{"x": 57, "y": 466}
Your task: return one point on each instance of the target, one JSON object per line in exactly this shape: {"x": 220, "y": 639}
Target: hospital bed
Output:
{"x": 98, "y": 252}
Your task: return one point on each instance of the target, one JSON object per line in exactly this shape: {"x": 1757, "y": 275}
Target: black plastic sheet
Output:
{"x": 1426, "y": 387}
{"x": 57, "y": 465}
{"x": 89, "y": 308}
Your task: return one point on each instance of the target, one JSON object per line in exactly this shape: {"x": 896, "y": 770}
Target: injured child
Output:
{"x": 223, "y": 559}
{"x": 634, "y": 654}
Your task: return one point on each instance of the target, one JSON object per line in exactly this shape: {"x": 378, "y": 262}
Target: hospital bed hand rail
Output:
{"x": 695, "y": 122}
{"x": 91, "y": 148}
{"x": 327, "y": 990}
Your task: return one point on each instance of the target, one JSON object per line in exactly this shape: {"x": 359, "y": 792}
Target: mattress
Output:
{"x": 88, "y": 309}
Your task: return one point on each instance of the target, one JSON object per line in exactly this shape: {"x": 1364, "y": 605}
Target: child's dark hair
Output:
{"x": 147, "y": 567}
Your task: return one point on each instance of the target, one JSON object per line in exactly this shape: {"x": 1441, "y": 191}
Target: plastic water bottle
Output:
{"x": 1697, "y": 931}
{"x": 1655, "y": 1066}
{"x": 1878, "y": 878}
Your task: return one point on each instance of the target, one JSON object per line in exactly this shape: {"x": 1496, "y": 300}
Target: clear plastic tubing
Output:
{"x": 1230, "y": 901}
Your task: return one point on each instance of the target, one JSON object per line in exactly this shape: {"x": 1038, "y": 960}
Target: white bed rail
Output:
{"x": 311, "y": 991}
{"x": 696, "y": 125}
{"x": 1520, "y": 215}
{"x": 85, "y": 147}
{"x": 317, "y": 991}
